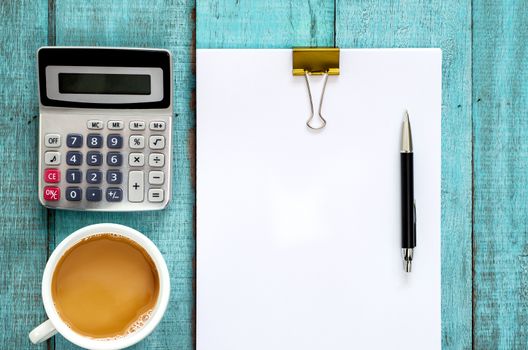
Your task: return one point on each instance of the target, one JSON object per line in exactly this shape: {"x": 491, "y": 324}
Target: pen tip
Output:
{"x": 406, "y": 117}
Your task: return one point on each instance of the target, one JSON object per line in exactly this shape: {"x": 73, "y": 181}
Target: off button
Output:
{"x": 52, "y": 140}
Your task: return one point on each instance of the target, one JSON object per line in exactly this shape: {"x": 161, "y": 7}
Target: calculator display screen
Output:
{"x": 97, "y": 83}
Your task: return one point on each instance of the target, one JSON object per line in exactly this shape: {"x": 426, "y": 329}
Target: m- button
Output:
{"x": 52, "y": 140}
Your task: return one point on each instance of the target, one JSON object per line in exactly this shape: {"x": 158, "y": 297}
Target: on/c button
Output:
{"x": 52, "y": 175}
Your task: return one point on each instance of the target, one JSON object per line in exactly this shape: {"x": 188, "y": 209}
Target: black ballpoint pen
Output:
{"x": 408, "y": 210}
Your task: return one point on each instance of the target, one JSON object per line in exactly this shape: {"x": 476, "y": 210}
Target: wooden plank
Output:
{"x": 444, "y": 24}
{"x": 264, "y": 24}
{"x": 164, "y": 24}
{"x": 23, "y": 226}
{"x": 500, "y": 110}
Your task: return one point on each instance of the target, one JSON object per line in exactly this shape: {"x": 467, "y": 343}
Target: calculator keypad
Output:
{"x": 111, "y": 161}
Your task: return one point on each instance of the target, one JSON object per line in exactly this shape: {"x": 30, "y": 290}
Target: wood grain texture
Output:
{"x": 500, "y": 117}
{"x": 23, "y": 221}
{"x": 264, "y": 24}
{"x": 160, "y": 24}
{"x": 447, "y": 25}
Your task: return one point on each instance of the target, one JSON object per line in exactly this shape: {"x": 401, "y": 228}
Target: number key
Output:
{"x": 114, "y": 141}
{"x": 74, "y": 158}
{"x": 74, "y": 140}
{"x": 94, "y": 176}
{"x": 73, "y": 176}
{"x": 94, "y": 158}
{"x": 114, "y": 158}
{"x": 95, "y": 141}
{"x": 114, "y": 177}
{"x": 73, "y": 194}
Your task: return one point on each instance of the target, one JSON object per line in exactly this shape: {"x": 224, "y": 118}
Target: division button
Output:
{"x": 52, "y": 158}
{"x": 157, "y": 142}
{"x": 51, "y": 193}
{"x": 156, "y": 177}
{"x": 94, "y": 194}
{"x": 156, "y": 159}
{"x": 73, "y": 194}
{"x": 136, "y": 186}
{"x": 94, "y": 124}
{"x": 155, "y": 195}
{"x": 114, "y": 194}
{"x": 137, "y": 125}
{"x": 136, "y": 159}
{"x": 157, "y": 125}
{"x": 137, "y": 141}
{"x": 115, "y": 124}
{"x": 52, "y": 140}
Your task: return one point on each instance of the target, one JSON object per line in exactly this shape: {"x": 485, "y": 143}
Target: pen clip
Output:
{"x": 414, "y": 222}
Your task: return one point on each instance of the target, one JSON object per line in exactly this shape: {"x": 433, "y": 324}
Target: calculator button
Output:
{"x": 156, "y": 159}
{"x": 156, "y": 177}
{"x": 114, "y": 194}
{"x": 114, "y": 141}
{"x": 74, "y": 140}
{"x": 136, "y": 159}
{"x": 51, "y": 193}
{"x": 115, "y": 124}
{"x": 52, "y": 175}
{"x": 137, "y": 125}
{"x": 52, "y": 140}
{"x": 94, "y": 141}
{"x": 94, "y": 194}
{"x": 73, "y": 176}
{"x": 94, "y": 158}
{"x": 155, "y": 195}
{"x": 157, "y": 142}
{"x": 136, "y": 186}
{"x": 94, "y": 176}
{"x": 73, "y": 194}
{"x": 74, "y": 158}
{"x": 137, "y": 141}
{"x": 114, "y": 177}
{"x": 114, "y": 158}
{"x": 157, "y": 126}
{"x": 94, "y": 124}
{"x": 52, "y": 158}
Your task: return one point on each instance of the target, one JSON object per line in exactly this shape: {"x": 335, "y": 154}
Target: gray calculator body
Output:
{"x": 105, "y": 129}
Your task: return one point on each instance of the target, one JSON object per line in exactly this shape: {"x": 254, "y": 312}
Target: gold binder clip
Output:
{"x": 316, "y": 61}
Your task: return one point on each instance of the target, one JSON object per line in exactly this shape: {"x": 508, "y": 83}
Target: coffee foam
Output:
{"x": 134, "y": 327}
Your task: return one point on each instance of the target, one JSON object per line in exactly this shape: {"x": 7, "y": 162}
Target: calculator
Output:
{"x": 105, "y": 128}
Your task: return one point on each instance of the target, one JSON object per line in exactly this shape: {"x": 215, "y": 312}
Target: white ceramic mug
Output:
{"x": 56, "y": 325}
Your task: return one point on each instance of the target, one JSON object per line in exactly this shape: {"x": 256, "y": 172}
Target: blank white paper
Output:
{"x": 298, "y": 232}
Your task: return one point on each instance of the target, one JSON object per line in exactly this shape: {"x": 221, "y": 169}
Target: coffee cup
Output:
{"x": 57, "y": 323}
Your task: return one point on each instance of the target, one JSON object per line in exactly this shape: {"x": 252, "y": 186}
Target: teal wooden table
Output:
{"x": 484, "y": 142}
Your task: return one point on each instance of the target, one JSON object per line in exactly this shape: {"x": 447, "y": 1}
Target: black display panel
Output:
{"x": 105, "y": 57}
{"x": 97, "y": 83}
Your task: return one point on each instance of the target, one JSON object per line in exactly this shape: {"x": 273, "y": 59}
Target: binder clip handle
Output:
{"x": 316, "y": 61}
{"x": 321, "y": 120}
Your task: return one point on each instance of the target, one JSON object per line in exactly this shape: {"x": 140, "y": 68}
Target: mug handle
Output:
{"x": 42, "y": 332}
